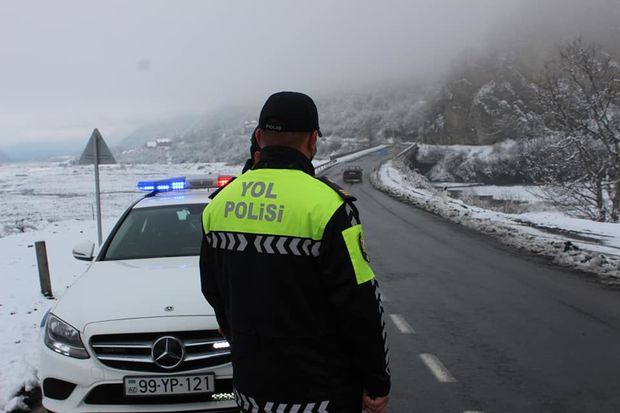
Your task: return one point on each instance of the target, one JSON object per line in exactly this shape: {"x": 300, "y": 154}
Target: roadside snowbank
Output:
{"x": 569, "y": 242}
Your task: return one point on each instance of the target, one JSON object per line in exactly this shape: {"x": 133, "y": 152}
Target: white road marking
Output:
{"x": 473, "y": 411}
{"x": 402, "y": 324}
{"x": 436, "y": 367}
{"x": 384, "y": 298}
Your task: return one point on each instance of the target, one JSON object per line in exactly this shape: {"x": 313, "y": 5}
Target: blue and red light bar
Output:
{"x": 164, "y": 185}
{"x": 224, "y": 180}
{"x": 181, "y": 183}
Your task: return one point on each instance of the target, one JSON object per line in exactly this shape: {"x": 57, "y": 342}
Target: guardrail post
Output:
{"x": 44, "y": 270}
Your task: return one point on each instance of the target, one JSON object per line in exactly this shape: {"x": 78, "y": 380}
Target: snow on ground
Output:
{"x": 604, "y": 236}
{"x": 467, "y": 163}
{"x": 593, "y": 247}
{"x": 21, "y": 304}
{"x": 34, "y": 194}
{"x": 525, "y": 193}
{"x": 425, "y": 150}
{"x": 54, "y": 203}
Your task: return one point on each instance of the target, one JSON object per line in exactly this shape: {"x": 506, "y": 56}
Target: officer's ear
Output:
{"x": 312, "y": 142}
{"x": 259, "y": 137}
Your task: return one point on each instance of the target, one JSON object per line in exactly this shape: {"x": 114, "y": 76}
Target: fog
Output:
{"x": 69, "y": 66}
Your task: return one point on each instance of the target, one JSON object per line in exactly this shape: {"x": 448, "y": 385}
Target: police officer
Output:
{"x": 284, "y": 266}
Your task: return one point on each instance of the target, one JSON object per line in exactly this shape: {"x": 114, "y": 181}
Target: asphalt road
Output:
{"x": 477, "y": 327}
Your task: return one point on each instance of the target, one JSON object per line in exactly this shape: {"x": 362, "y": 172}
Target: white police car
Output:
{"x": 134, "y": 333}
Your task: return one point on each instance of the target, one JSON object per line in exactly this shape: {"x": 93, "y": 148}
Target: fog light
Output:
{"x": 57, "y": 389}
{"x": 220, "y": 397}
{"x": 221, "y": 344}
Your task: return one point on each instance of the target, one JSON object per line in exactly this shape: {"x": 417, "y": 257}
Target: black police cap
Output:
{"x": 289, "y": 112}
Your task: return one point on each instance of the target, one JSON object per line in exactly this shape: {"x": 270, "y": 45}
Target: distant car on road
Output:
{"x": 135, "y": 333}
{"x": 352, "y": 173}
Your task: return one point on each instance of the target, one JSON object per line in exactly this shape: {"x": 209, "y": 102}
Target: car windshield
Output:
{"x": 164, "y": 231}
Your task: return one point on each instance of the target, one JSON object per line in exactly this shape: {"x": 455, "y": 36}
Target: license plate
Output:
{"x": 166, "y": 385}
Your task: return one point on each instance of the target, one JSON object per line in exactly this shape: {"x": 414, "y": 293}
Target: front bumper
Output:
{"x": 99, "y": 388}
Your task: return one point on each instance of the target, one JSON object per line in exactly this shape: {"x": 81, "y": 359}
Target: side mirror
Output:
{"x": 84, "y": 251}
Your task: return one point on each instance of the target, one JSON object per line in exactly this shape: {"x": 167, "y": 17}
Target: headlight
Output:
{"x": 63, "y": 338}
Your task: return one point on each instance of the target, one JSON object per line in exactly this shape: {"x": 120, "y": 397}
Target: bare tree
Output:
{"x": 579, "y": 98}
{"x": 553, "y": 161}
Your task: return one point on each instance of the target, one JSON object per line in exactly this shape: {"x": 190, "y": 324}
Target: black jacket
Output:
{"x": 302, "y": 330}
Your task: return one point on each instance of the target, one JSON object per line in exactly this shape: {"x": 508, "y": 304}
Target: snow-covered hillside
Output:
{"x": 349, "y": 121}
{"x": 500, "y": 163}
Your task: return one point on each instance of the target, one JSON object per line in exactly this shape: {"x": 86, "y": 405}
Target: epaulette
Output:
{"x": 213, "y": 195}
{"x": 341, "y": 191}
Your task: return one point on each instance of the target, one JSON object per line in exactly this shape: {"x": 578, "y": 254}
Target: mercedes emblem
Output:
{"x": 168, "y": 352}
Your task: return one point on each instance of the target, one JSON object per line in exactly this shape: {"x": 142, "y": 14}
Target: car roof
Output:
{"x": 189, "y": 196}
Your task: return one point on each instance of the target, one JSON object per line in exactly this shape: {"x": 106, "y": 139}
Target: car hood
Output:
{"x": 131, "y": 289}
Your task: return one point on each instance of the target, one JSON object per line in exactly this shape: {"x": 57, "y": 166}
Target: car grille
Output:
{"x": 133, "y": 351}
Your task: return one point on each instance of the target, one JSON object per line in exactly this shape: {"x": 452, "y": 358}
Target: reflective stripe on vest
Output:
{"x": 279, "y": 202}
{"x": 264, "y": 244}
{"x": 354, "y": 240}
{"x": 251, "y": 405}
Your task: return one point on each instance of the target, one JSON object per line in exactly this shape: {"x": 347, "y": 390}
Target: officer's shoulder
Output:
{"x": 220, "y": 189}
{"x": 344, "y": 194}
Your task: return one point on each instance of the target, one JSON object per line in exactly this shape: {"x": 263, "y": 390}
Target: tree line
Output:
{"x": 574, "y": 142}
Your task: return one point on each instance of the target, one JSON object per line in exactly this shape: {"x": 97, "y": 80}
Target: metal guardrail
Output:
{"x": 324, "y": 166}
{"x": 335, "y": 159}
{"x": 413, "y": 146}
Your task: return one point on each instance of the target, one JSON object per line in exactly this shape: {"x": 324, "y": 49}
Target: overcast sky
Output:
{"x": 69, "y": 66}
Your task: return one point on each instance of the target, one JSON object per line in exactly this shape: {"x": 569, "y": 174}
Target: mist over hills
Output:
{"x": 41, "y": 150}
{"x": 177, "y": 126}
{"x": 349, "y": 121}
{"x": 485, "y": 97}
{"x": 489, "y": 94}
